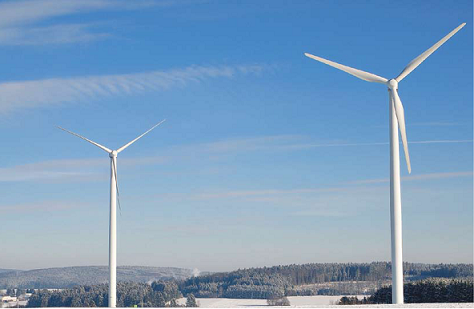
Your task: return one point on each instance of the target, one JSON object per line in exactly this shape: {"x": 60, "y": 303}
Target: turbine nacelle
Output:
{"x": 392, "y": 84}
{"x": 113, "y": 153}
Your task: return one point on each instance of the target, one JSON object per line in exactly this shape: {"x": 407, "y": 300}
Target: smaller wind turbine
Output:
{"x": 397, "y": 121}
{"x": 113, "y": 211}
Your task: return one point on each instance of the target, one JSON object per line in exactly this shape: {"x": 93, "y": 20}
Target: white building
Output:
{"x": 8, "y": 301}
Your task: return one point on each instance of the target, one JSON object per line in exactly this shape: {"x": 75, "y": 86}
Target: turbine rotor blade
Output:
{"x": 357, "y": 73}
{"x": 418, "y": 60}
{"x": 128, "y": 144}
{"x": 88, "y": 140}
{"x": 116, "y": 185}
{"x": 401, "y": 124}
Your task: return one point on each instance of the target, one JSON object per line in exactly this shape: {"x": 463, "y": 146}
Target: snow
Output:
{"x": 240, "y": 303}
{"x": 295, "y": 301}
{"x": 310, "y": 302}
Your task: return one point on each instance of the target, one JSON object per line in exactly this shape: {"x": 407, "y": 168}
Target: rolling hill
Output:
{"x": 66, "y": 277}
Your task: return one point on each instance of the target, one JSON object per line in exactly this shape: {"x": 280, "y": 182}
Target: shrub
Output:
{"x": 278, "y": 301}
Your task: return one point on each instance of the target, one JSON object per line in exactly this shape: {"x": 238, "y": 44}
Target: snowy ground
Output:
{"x": 250, "y": 303}
{"x": 308, "y": 302}
{"x": 432, "y": 305}
{"x": 295, "y": 301}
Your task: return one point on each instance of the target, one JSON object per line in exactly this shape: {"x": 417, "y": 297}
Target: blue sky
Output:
{"x": 267, "y": 157}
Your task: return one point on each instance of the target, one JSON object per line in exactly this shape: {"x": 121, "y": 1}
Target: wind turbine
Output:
{"x": 113, "y": 211}
{"x": 396, "y": 114}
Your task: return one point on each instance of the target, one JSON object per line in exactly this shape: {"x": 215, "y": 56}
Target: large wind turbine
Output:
{"x": 113, "y": 211}
{"x": 396, "y": 114}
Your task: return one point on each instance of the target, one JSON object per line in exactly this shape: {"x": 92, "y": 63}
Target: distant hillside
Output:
{"x": 313, "y": 279}
{"x": 2, "y": 270}
{"x": 66, "y": 277}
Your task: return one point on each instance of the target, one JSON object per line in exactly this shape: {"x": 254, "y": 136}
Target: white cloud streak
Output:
{"x": 430, "y": 176}
{"x": 318, "y": 202}
{"x": 38, "y": 207}
{"x": 90, "y": 169}
{"x": 289, "y": 142}
{"x": 56, "y": 34}
{"x": 51, "y": 170}
{"x": 251, "y": 144}
{"x": 275, "y": 194}
{"x": 54, "y": 91}
{"x": 262, "y": 193}
{"x": 21, "y": 21}
{"x": 429, "y": 124}
{"x": 71, "y": 170}
{"x": 436, "y": 124}
{"x": 303, "y": 146}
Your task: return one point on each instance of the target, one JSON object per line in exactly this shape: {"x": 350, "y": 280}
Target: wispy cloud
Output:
{"x": 38, "y": 207}
{"x": 429, "y": 124}
{"x": 288, "y": 143}
{"x": 443, "y": 141}
{"x": 55, "y": 34}
{"x": 418, "y": 177}
{"x": 320, "y": 202}
{"x": 309, "y": 145}
{"x": 51, "y": 170}
{"x": 252, "y": 143}
{"x": 22, "y": 22}
{"x": 321, "y": 213}
{"x": 90, "y": 169}
{"x": 71, "y": 170}
{"x": 262, "y": 193}
{"x": 47, "y": 92}
{"x": 436, "y": 124}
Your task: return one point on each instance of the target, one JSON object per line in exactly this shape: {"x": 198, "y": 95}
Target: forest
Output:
{"x": 448, "y": 282}
{"x": 129, "y": 294}
{"x": 284, "y": 280}
{"x": 433, "y": 290}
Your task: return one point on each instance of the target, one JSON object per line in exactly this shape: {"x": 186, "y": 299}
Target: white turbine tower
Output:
{"x": 113, "y": 211}
{"x": 396, "y": 114}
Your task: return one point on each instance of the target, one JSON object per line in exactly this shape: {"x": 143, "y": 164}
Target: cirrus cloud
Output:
{"x": 54, "y": 91}
{"x": 33, "y": 22}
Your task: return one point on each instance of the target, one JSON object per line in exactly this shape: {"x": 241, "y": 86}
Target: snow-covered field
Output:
{"x": 431, "y": 305}
{"x": 295, "y": 301}
{"x": 308, "y": 302}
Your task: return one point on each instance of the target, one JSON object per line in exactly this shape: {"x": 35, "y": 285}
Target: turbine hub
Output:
{"x": 393, "y": 84}
{"x": 113, "y": 153}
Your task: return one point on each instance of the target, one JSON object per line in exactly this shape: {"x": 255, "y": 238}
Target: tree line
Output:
{"x": 129, "y": 294}
{"x": 433, "y": 290}
{"x": 253, "y": 283}
{"x": 279, "y": 281}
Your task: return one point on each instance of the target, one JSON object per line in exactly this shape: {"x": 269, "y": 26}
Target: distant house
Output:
{"x": 27, "y": 295}
{"x": 12, "y": 302}
{"x": 7, "y": 299}
{"x": 15, "y": 304}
